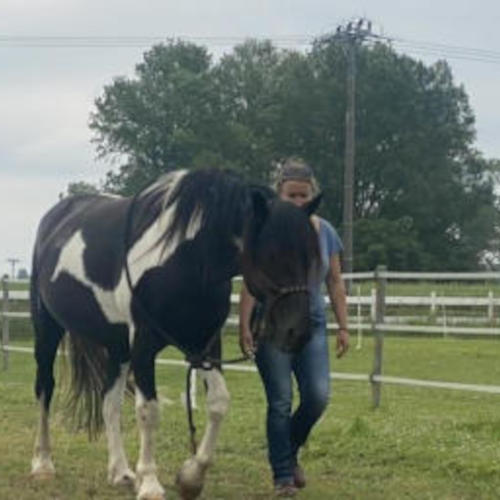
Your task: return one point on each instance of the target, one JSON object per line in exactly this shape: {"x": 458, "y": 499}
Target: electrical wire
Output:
{"x": 401, "y": 44}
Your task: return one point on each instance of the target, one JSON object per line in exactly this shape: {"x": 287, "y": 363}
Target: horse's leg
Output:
{"x": 147, "y": 413}
{"x": 48, "y": 335}
{"x": 119, "y": 471}
{"x": 190, "y": 477}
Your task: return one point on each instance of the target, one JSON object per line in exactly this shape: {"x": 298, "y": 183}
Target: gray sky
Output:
{"x": 46, "y": 94}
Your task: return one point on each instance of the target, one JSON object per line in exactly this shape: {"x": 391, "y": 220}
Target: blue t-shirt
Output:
{"x": 329, "y": 244}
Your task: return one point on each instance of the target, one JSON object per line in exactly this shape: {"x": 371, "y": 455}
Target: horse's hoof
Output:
{"x": 43, "y": 475}
{"x": 189, "y": 480}
{"x": 152, "y": 496}
{"x": 150, "y": 489}
{"x": 127, "y": 479}
{"x": 42, "y": 470}
{"x": 188, "y": 491}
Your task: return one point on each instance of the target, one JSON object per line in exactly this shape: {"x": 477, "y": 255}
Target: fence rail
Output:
{"x": 378, "y": 323}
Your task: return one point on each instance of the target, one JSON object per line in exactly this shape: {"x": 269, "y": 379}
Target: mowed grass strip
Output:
{"x": 421, "y": 443}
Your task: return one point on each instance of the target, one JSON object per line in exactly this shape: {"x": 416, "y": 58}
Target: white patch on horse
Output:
{"x": 191, "y": 476}
{"x": 71, "y": 262}
{"x": 119, "y": 471}
{"x": 147, "y": 414}
{"x": 41, "y": 464}
{"x": 146, "y": 253}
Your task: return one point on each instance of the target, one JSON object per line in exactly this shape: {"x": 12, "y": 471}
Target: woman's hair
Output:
{"x": 294, "y": 169}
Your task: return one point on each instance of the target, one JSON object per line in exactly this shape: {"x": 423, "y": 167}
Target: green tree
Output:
{"x": 414, "y": 159}
{"x": 424, "y": 198}
{"x": 81, "y": 187}
{"x": 158, "y": 121}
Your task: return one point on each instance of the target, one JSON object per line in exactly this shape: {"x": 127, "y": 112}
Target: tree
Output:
{"x": 81, "y": 187}
{"x": 414, "y": 158}
{"x": 156, "y": 121}
{"x": 424, "y": 198}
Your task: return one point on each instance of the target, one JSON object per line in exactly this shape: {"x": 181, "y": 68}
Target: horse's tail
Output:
{"x": 89, "y": 365}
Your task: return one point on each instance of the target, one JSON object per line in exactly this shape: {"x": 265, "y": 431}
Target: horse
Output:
{"x": 127, "y": 276}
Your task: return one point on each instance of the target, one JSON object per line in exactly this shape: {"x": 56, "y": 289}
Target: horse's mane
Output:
{"x": 219, "y": 198}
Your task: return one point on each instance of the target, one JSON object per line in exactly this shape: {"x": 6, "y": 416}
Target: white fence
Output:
{"x": 368, "y": 312}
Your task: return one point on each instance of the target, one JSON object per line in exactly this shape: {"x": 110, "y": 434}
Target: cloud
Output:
{"x": 39, "y": 119}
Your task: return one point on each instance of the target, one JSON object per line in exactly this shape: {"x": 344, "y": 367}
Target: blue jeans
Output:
{"x": 286, "y": 433}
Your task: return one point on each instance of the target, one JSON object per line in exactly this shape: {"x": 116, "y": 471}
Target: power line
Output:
{"x": 447, "y": 51}
{"x": 441, "y": 50}
{"x": 446, "y": 47}
{"x": 444, "y": 55}
{"x": 91, "y": 41}
{"x": 30, "y": 41}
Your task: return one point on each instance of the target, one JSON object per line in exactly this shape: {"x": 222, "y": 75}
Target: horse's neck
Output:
{"x": 153, "y": 247}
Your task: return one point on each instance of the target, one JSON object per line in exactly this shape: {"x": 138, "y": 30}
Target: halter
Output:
{"x": 284, "y": 291}
{"x": 281, "y": 292}
{"x": 287, "y": 290}
{"x": 278, "y": 292}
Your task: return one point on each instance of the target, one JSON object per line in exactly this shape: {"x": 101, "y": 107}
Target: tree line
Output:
{"x": 424, "y": 196}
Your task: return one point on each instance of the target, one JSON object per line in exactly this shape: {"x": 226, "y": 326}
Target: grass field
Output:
{"x": 420, "y": 444}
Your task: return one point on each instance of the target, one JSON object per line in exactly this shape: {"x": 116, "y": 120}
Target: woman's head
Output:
{"x": 295, "y": 182}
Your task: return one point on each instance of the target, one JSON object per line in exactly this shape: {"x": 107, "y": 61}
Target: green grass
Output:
{"x": 420, "y": 444}
{"x": 14, "y": 285}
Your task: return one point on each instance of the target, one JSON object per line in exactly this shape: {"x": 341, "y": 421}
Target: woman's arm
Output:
{"x": 247, "y": 302}
{"x": 336, "y": 292}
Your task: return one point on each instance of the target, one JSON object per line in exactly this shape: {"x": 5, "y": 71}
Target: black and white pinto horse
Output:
{"x": 127, "y": 276}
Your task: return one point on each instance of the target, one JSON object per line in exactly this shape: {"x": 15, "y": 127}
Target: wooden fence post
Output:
{"x": 5, "y": 321}
{"x": 380, "y": 283}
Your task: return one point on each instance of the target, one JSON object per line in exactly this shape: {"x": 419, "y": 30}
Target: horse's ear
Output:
{"x": 313, "y": 205}
{"x": 260, "y": 205}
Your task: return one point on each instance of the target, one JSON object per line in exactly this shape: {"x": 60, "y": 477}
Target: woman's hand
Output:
{"x": 247, "y": 344}
{"x": 247, "y": 303}
{"x": 342, "y": 342}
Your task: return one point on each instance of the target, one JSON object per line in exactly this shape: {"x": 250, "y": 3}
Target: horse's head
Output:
{"x": 281, "y": 257}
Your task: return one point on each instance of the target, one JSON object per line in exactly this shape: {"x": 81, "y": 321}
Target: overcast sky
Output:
{"x": 47, "y": 93}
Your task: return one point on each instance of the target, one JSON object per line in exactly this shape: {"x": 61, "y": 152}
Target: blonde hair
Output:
{"x": 294, "y": 169}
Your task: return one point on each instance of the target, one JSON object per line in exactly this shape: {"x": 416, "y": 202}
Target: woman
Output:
{"x": 287, "y": 432}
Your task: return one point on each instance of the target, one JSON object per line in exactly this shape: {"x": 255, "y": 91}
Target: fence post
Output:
{"x": 491, "y": 307}
{"x": 359, "y": 318}
{"x": 5, "y": 321}
{"x": 380, "y": 283}
{"x": 373, "y": 304}
{"x": 433, "y": 303}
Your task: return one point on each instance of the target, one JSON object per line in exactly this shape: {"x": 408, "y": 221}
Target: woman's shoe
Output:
{"x": 285, "y": 489}
{"x": 299, "y": 478}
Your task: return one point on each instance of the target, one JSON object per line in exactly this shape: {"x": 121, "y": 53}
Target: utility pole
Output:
{"x": 350, "y": 36}
{"x": 13, "y": 263}
{"x": 350, "y": 138}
